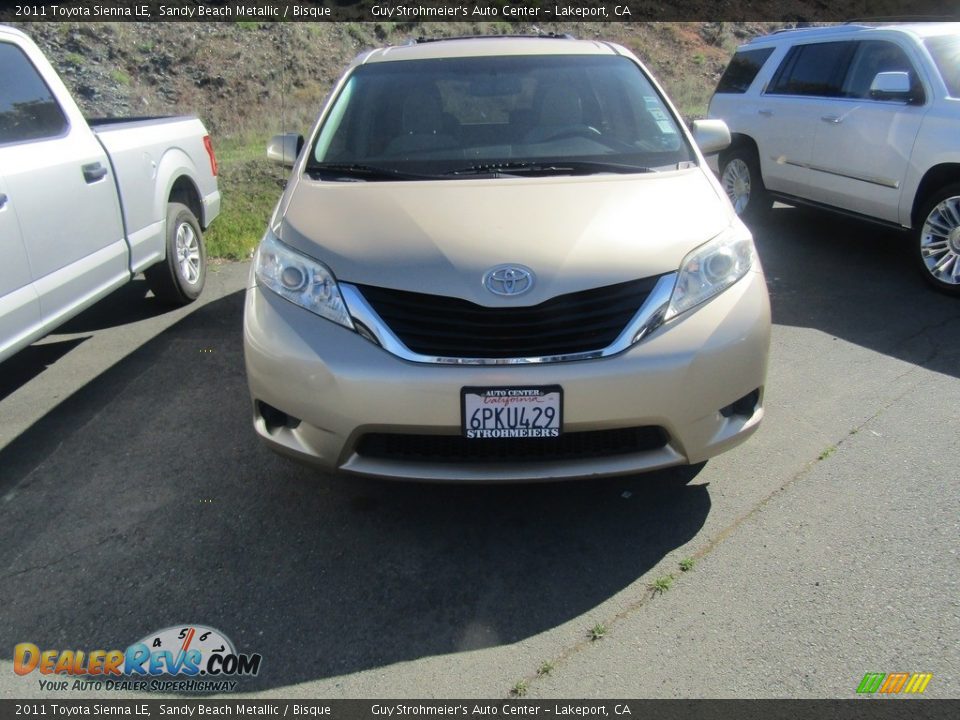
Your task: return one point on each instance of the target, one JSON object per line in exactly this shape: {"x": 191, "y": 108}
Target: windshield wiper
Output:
{"x": 363, "y": 172}
{"x": 358, "y": 171}
{"x": 557, "y": 167}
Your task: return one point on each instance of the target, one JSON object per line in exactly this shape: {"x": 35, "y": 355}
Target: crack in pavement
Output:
{"x": 924, "y": 332}
{"x": 62, "y": 558}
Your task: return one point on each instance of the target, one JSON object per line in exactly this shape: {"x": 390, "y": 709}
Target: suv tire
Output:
{"x": 743, "y": 184}
{"x": 937, "y": 236}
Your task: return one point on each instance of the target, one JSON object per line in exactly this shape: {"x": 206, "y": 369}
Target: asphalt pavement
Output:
{"x": 134, "y": 497}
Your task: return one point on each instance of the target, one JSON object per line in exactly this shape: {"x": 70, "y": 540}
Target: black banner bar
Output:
{"x": 525, "y": 11}
{"x": 624, "y": 709}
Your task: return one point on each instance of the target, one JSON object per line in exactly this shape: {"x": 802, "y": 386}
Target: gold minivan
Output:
{"x": 504, "y": 259}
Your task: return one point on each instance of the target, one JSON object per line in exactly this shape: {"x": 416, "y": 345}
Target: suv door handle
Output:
{"x": 3, "y": 200}
{"x": 93, "y": 172}
{"x": 765, "y": 112}
{"x": 834, "y": 119}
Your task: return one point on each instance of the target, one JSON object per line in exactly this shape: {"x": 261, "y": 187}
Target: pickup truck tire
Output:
{"x": 937, "y": 238}
{"x": 179, "y": 279}
{"x": 743, "y": 184}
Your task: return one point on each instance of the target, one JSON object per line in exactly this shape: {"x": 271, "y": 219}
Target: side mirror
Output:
{"x": 285, "y": 149}
{"x": 711, "y": 136}
{"x": 892, "y": 86}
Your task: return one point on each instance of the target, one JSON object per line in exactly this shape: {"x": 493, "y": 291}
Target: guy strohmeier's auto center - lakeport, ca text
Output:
{"x": 509, "y": 12}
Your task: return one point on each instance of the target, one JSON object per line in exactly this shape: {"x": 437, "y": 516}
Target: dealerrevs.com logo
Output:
{"x": 184, "y": 658}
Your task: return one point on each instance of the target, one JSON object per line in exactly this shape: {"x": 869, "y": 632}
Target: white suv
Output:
{"x": 858, "y": 119}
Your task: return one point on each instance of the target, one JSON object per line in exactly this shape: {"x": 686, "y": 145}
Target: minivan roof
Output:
{"x": 12, "y": 31}
{"x": 489, "y": 46}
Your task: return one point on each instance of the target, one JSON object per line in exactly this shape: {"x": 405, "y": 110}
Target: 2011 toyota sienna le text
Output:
{"x": 504, "y": 259}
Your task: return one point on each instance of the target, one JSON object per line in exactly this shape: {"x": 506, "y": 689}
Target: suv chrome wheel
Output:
{"x": 736, "y": 183}
{"x": 741, "y": 181}
{"x": 939, "y": 240}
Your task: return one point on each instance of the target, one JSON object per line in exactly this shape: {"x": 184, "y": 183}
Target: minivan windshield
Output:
{"x": 513, "y": 115}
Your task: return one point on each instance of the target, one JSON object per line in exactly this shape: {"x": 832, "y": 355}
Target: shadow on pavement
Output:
{"x": 145, "y": 501}
{"x": 857, "y": 281}
{"x": 125, "y": 305}
{"x": 27, "y": 364}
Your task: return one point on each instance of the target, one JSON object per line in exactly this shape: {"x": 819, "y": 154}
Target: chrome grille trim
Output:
{"x": 647, "y": 319}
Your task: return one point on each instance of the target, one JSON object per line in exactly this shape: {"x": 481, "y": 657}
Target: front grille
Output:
{"x": 441, "y": 326}
{"x": 457, "y": 449}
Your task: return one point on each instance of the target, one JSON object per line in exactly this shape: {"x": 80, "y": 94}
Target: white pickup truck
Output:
{"x": 84, "y": 207}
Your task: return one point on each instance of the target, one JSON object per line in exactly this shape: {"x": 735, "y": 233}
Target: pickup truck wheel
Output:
{"x": 741, "y": 180}
{"x": 938, "y": 239}
{"x": 179, "y": 279}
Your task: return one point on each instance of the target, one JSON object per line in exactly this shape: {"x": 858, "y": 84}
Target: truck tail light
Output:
{"x": 208, "y": 145}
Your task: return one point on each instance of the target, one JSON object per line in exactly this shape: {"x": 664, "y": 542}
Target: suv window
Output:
{"x": 814, "y": 69}
{"x": 945, "y": 51}
{"x": 741, "y": 71}
{"x": 28, "y": 110}
{"x": 876, "y": 56}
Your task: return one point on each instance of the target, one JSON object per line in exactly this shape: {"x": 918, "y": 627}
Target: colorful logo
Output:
{"x": 894, "y": 683}
{"x": 182, "y": 650}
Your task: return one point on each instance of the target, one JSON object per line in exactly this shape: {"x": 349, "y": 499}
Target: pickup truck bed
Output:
{"x": 156, "y": 148}
{"x": 86, "y": 206}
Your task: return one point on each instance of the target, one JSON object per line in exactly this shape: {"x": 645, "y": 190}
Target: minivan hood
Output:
{"x": 441, "y": 237}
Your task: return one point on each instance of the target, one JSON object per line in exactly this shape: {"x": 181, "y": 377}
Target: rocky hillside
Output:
{"x": 252, "y": 79}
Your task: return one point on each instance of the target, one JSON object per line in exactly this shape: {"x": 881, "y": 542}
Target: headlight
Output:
{"x": 300, "y": 279}
{"x": 710, "y": 269}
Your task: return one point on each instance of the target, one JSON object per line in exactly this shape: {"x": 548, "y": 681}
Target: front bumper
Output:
{"x": 334, "y": 387}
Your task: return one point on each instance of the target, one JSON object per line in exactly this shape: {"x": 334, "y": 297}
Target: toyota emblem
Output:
{"x": 508, "y": 280}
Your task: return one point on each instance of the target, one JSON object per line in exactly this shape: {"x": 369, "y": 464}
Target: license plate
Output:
{"x": 512, "y": 412}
